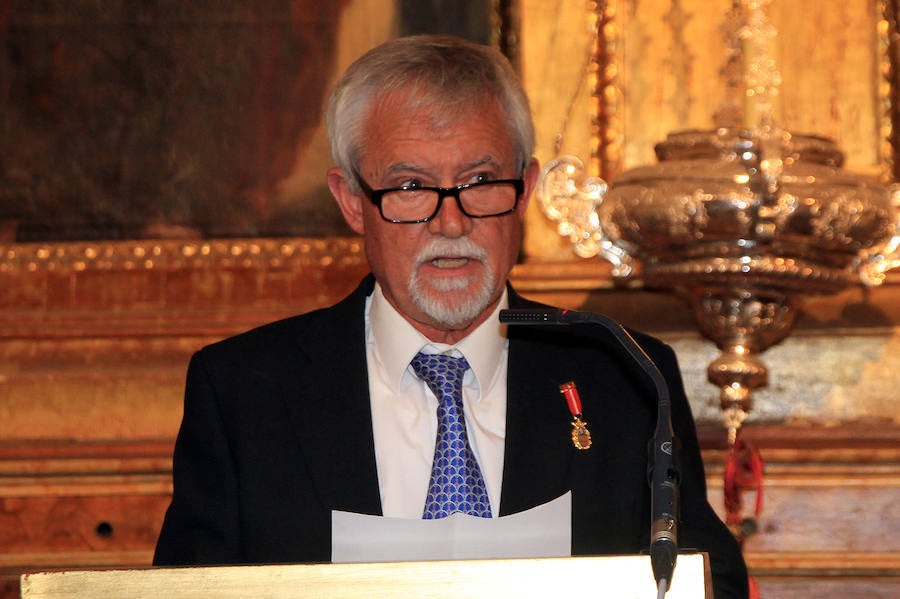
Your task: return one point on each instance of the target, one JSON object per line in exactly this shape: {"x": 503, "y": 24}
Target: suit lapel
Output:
{"x": 328, "y": 400}
{"x": 539, "y": 450}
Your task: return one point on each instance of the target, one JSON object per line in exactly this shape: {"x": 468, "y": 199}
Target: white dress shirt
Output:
{"x": 404, "y": 410}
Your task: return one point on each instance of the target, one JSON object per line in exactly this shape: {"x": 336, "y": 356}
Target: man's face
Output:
{"x": 445, "y": 275}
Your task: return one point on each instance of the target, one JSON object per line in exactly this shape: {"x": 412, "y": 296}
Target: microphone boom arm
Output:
{"x": 664, "y": 474}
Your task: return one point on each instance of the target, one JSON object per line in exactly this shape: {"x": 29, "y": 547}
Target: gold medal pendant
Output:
{"x": 581, "y": 436}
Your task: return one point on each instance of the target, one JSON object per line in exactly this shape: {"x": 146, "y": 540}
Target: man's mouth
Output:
{"x": 451, "y": 254}
{"x": 447, "y": 262}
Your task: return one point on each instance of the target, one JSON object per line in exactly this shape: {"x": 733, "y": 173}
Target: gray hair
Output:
{"x": 435, "y": 70}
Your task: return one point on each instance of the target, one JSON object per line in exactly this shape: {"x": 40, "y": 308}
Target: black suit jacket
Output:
{"x": 277, "y": 433}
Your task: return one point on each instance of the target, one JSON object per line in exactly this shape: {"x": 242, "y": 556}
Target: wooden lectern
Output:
{"x": 625, "y": 577}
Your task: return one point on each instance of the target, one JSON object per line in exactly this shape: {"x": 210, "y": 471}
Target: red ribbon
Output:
{"x": 570, "y": 392}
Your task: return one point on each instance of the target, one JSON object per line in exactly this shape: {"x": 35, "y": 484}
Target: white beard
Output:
{"x": 429, "y": 296}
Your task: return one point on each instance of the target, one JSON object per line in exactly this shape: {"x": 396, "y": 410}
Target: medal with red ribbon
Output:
{"x": 581, "y": 436}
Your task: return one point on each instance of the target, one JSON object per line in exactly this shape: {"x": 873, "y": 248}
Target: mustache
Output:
{"x": 462, "y": 247}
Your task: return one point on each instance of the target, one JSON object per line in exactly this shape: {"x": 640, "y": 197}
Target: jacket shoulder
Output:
{"x": 343, "y": 320}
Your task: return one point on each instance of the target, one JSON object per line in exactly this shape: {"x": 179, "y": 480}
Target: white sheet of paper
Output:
{"x": 543, "y": 531}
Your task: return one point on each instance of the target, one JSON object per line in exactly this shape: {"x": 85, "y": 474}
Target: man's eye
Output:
{"x": 480, "y": 178}
{"x": 411, "y": 184}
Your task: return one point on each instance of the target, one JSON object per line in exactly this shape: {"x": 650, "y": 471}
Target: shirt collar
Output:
{"x": 397, "y": 342}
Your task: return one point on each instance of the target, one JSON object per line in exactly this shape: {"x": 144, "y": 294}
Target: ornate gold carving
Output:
{"x": 888, "y": 88}
{"x": 62, "y": 258}
{"x": 603, "y": 79}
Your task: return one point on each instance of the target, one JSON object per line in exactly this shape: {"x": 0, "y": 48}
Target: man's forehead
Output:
{"x": 437, "y": 106}
{"x": 410, "y": 136}
{"x": 414, "y": 166}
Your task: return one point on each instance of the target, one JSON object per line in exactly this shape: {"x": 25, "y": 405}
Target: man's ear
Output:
{"x": 530, "y": 176}
{"x": 349, "y": 202}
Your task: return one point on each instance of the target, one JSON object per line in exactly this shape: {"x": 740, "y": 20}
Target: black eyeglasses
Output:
{"x": 418, "y": 204}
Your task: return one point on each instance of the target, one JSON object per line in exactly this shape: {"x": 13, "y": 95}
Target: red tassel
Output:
{"x": 754, "y": 589}
{"x": 743, "y": 472}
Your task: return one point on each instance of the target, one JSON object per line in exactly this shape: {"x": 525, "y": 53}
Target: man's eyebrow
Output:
{"x": 404, "y": 167}
{"x": 483, "y": 161}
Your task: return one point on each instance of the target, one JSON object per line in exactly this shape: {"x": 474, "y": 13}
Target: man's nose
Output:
{"x": 450, "y": 221}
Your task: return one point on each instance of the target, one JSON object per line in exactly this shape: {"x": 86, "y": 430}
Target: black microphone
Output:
{"x": 664, "y": 474}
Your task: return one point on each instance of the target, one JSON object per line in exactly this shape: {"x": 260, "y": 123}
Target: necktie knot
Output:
{"x": 442, "y": 373}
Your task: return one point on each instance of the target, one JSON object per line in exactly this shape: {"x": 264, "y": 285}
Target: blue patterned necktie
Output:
{"x": 456, "y": 482}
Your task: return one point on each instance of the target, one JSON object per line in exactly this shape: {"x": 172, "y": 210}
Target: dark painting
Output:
{"x": 471, "y": 19}
{"x": 143, "y": 118}
{"x": 129, "y": 119}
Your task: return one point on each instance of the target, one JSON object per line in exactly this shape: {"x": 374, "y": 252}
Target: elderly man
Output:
{"x": 354, "y": 407}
